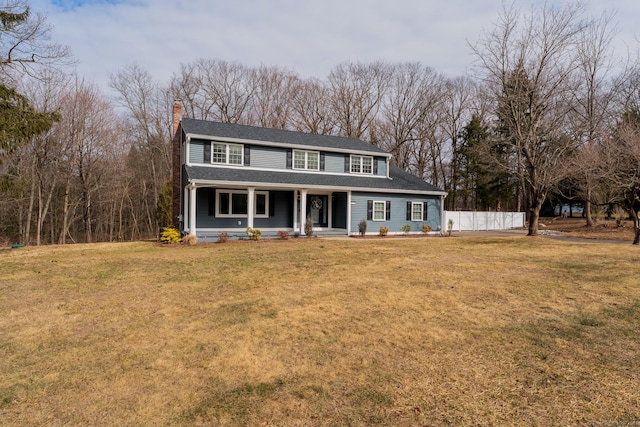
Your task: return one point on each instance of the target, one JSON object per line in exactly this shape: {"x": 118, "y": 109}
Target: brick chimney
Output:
{"x": 176, "y": 169}
{"x": 177, "y": 115}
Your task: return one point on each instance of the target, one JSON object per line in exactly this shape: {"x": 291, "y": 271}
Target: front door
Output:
{"x": 319, "y": 209}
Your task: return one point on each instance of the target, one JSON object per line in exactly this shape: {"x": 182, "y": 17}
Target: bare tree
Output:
{"x": 148, "y": 125}
{"x": 25, "y": 39}
{"x": 621, "y": 164}
{"x": 529, "y": 63}
{"x": 227, "y": 88}
{"x": 413, "y": 92}
{"x": 89, "y": 127}
{"x": 593, "y": 101}
{"x": 272, "y": 102}
{"x": 311, "y": 110}
{"x": 356, "y": 92}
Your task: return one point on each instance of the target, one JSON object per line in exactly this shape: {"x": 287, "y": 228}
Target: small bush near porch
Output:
{"x": 316, "y": 332}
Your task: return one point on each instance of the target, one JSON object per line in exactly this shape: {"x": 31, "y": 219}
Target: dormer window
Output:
{"x": 306, "y": 160}
{"x": 362, "y": 164}
{"x": 226, "y": 154}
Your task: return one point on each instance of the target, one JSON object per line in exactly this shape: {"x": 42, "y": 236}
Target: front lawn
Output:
{"x": 321, "y": 332}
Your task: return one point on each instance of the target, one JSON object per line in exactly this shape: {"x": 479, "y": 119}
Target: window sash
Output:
{"x": 416, "y": 211}
{"x": 367, "y": 165}
{"x": 379, "y": 211}
{"x": 226, "y": 154}
{"x": 235, "y": 204}
{"x": 306, "y": 160}
{"x": 362, "y": 164}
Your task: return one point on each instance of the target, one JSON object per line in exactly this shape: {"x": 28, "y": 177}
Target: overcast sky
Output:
{"x": 308, "y": 36}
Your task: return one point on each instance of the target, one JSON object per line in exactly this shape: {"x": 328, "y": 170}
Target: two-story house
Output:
{"x": 228, "y": 177}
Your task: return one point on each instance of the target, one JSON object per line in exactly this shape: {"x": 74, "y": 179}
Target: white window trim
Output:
{"x": 360, "y": 165}
{"x": 255, "y": 205}
{"x": 413, "y": 212}
{"x": 226, "y": 155}
{"x": 306, "y": 160}
{"x": 384, "y": 210}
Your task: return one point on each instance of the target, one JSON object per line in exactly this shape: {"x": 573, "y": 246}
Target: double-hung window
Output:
{"x": 362, "y": 164}
{"x": 226, "y": 154}
{"x": 379, "y": 211}
{"x": 235, "y": 204}
{"x": 307, "y": 160}
{"x": 416, "y": 211}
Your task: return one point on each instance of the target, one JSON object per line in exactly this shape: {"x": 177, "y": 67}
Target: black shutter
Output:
{"x": 289, "y": 156}
{"x": 247, "y": 155}
{"x": 347, "y": 164}
{"x": 207, "y": 152}
{"x": 212, "y": 201}
{"x": 388, "y": 210}
{"x": 375, "y": 166}
{"x": 424, "y": 211}
{"x": 272, "y": 207}
{"x": 321, "y": 161}
{"x": 369, "y": 210}
{"x": 408, "y": 211}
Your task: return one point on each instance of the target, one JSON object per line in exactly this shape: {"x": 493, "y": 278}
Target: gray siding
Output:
{"x": 196, "y": 151}
{"x": 334, "y": 163}
{"x": 382, "y": 166}
{"x": 276, "y": 158}
{"x": 268, "y": 158}
{"x": 398, "y": 212}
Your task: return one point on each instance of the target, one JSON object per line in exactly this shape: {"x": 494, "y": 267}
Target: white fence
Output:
{"x": 483, "y": 221}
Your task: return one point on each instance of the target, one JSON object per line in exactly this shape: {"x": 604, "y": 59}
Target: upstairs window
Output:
{"x": 226, "y": 154}
{"x": 306, "y": 160}
{"x": 362, "y": 164}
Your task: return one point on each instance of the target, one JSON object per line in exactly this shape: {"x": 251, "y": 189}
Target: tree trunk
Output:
{"x": 636, "y": 225}
{"x": 587, "y": 204}
{"x": 534, "y": 214}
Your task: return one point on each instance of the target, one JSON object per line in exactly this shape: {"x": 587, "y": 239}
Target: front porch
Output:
{"x": 211, "y": 210}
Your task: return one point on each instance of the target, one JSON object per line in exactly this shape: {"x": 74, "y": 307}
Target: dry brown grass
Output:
{"x": 436, "y": 331}
{"x": 603, "y": 229}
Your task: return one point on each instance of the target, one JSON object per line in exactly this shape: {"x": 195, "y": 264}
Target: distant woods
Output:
{"x": 547, "y": 115}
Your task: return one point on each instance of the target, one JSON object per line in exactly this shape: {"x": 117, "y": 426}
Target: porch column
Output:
{"x": 330, "y": 211}
{"x": 443, "y": 217}
{"x": 295, "y": 211}
{"x": 192, "y": 210}
{"x": 185, "y": 209}
{"x": 348, "y": 212}
{"x": 250, "y": 206}
{"x": 303, "y": 209}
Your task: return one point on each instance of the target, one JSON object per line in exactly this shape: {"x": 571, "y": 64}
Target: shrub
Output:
{"x": 406, "y": 228}
{"x": 308, "y": 227}
{"x": 426, "y": 229}
{"x": 170, "y": 235}
{"x": 223, "y": 237}
{"x": 254, "y": 233}
{"x": 189, "y": 240}
{"x": 362, "y": 227}
{"x": 450, "y": 227}
{"x": 384, "y": 230}
{"x": 283, "y": 235}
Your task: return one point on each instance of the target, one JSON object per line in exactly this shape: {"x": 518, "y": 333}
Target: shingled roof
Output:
{"x": 192, "y": 127}
{"x": 399, "y": 180}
